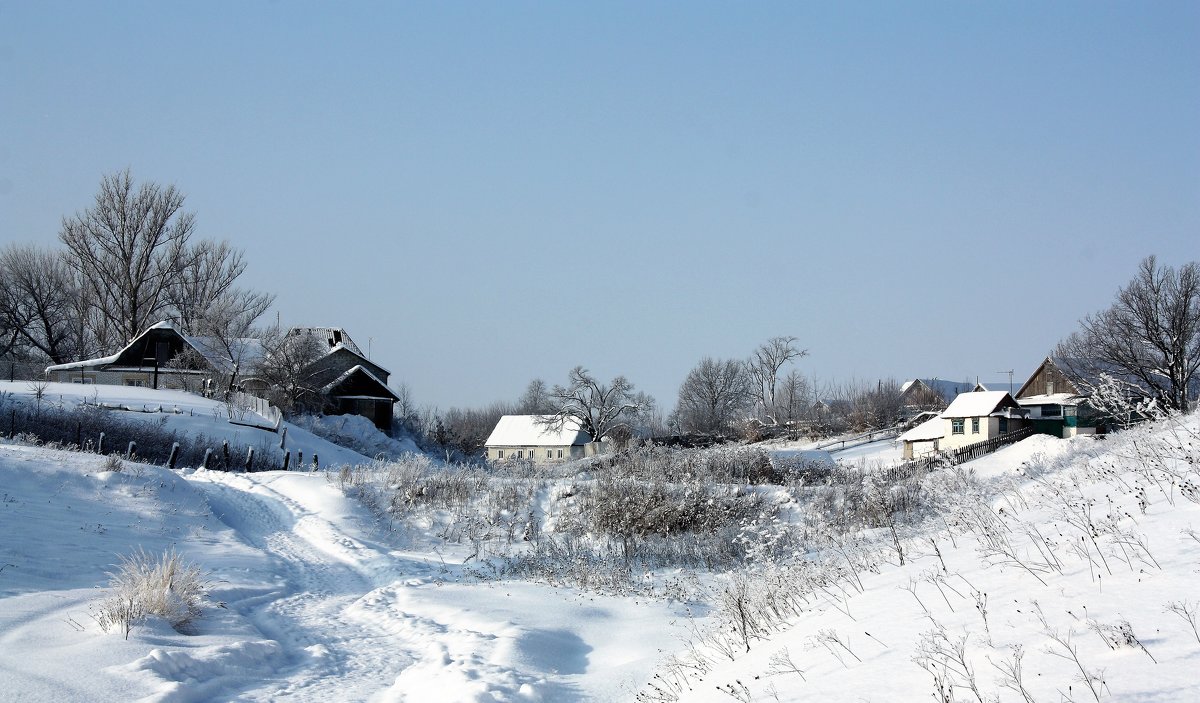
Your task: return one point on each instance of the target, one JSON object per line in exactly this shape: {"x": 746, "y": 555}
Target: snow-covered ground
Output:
{"x": 1051, "y": 570}
{"x": 187, "y": 413}
{"x": 315, "y": 603}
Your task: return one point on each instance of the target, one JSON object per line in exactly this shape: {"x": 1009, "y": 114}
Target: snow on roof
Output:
{"x": 946, "y": 389}
{"x": 933, "y": 428}
{"x": 1053, "y": 399}
{"x": 350, "y": 372}
{"x": 332, "y": 337}
{"x": 977, "y": 404}
{"x": 527, "y": 431}
{"x": 249, "y": 350}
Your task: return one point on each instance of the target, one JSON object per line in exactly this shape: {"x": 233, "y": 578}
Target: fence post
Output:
{"x": 282, "y": 437}
{"x": 100, "y": 444}
{"x": 225, "y": 455}
{"x": 299, "y": 459}
{"x": 250, "y": 461}
{"x": 287, "y": 457}
{"x": 316, "y": 464}
{"x": 131, "y": 449}
{"x": 207, "y": 456}
{"x": 174, "y": 456}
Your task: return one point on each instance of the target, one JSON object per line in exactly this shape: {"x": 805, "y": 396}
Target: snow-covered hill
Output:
{"x": 190, "y": 414}
{"x": 1052, "y": 570}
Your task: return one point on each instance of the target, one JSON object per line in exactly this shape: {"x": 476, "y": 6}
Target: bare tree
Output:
{"x": 288, "y": 366}
{"x": 598, "y": 408}
{"x": 536, "y": 399}
{"x": 714, "y": 395}
{"x": 764, "y": 366}
{"x": 128, "y": 248}
{"x": 204, "y": 298}
{"x": 38, "y": 293}
{"x": 795, "y": 396}
{"x": 1149, "y": 338}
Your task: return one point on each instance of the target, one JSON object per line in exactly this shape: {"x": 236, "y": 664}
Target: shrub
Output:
{"x": 144, "y": 585}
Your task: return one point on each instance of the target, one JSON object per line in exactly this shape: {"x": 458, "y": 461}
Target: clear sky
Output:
{"x": 496, "y": 191}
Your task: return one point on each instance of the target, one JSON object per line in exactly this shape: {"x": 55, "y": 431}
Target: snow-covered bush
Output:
{"x": 144, "y": 585}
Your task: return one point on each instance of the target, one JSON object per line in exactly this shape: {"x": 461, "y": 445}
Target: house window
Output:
{"x": 520, "y": 454}
{"x": 549, "y": 453}
{"x": 137, "y": 383}
{"x": 956, "y": 426}
{"x": 1049, "y": 387}
{"x": 499, "y": 453}
{"x": 559, "y": 453}
{"x": 974, "y": 425}
{"x": 1051, "y": 411}
{"x": 1003, "y": 425}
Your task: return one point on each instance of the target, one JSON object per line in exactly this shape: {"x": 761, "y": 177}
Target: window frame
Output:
{"x": 957, "y": 426}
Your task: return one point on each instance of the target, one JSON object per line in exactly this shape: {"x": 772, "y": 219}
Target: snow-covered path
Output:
{"x": 339, "y": 612}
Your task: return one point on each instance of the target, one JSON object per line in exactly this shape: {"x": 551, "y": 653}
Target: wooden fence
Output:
{"x": 950, "y": 457}
{"x": 858, "y": 439}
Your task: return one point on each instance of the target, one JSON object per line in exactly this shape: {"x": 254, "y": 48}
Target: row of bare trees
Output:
{"x": 128, "y": 261}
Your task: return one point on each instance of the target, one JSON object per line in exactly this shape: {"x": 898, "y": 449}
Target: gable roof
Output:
{"x": 526, "y": 431}
{"x": 979, "y": 404}
{"x": 366, "y": 381}
{"x": 946, "y": 390}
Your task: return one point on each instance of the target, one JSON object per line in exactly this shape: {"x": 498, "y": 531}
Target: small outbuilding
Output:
{"x": 924, "y": 438}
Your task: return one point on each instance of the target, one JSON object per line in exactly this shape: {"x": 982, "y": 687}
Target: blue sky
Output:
{"x": 492, "y": 192}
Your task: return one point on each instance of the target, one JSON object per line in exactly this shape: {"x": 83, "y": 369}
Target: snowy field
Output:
{"x": 1051, "y": 570}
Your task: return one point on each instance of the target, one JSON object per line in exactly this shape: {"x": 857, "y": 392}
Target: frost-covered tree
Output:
{"x": 1149, "y": 338}
{"x": 38, "y": 303}
{"x": 714, "y": 395}
{"x": 536, "y": 399}
{"x": 288, "y": 366}
{"x": 128, "y": 249}
{"x": 204, "y": 297}
{"x": 764, "y": 367}
{"x": 598, "y": 408}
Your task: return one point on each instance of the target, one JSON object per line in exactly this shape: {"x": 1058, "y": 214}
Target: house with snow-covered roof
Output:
{"x": 1056, "y": 396}
{"x": 162, "y": 357}
{"x": 531, "y": 438}
{"x": 979, "y": 416}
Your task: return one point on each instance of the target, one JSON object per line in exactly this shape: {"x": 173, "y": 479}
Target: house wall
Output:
{"x": 166, "y": 379}
{"x": 988, "y": 427}
{"x": 539, "y": 453}
{"x": 914, "y": 449}
{"x": 1048, "y": 373}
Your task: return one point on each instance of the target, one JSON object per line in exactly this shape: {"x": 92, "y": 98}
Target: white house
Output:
{"x": 529, "y": 437}
{"x": 975, "y": 417}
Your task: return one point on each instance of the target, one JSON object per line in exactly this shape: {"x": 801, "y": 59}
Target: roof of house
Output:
{"x": 933, "y": 428}
{"x": 979, "y": 404}
{"x": 1053, "y": 399}
{"x": 947, "y": 390}
{"x": 531, "y": 431}
{"x": 331, "y": 337}
{"x": 387, "y": 393}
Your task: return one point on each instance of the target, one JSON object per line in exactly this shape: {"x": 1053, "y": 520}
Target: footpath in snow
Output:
{"x": 310, "y": 603}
